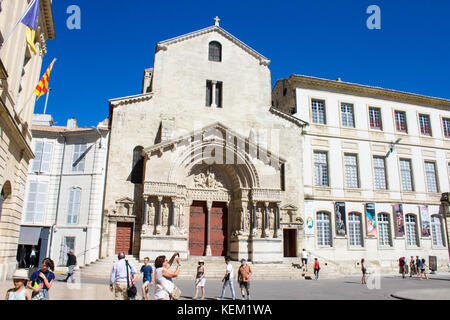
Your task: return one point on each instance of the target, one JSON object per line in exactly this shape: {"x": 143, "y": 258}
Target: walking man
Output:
{"x": 305, "y": 259}
{"x": 418, "y": 265}
{"x": 244, "y": 278}
{"x": 118, "y": 281}
{"x": 147, "y": 279}
{"x": 71, "y": 263}
{"x": 228, "y": 280}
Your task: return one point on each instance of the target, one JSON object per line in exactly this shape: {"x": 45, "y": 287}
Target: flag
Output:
{"x": 42, "y": 86}
{"x": 30, "y": 20}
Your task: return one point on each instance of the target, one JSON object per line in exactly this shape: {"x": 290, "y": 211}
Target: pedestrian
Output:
{"x": 412, "y": 267}
{"x": 165, "y": 288}
{"x": 316, "y": 268}
{"x": 71, "y": 263}
{"x": 364, "y": 271}
{"x": 305, "y": 259}
{"x": 122, "y": 274}
{"x": 20, "y": 291}
{"x": 42, "y": 280}
{"x": 228, "y": 279}
{"x": 418, "y": 263}
{"x": 33, "y": 257}
{"x": 402, "y": 266}
{"x": 244, "y": 274}
{"x": 147, "y": 278}
{"x": 200, "y": 279}
{"x": 423, "y": 271}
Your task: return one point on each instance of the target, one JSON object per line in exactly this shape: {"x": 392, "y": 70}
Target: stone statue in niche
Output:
{"x": 151, "y": 214}
{"x": 247, "y": 220}
{"x": 259, "y": 219}
{"x": 244, "y": 220}
{"x": 165, "y": 215}
{"x": 272, "y": 218}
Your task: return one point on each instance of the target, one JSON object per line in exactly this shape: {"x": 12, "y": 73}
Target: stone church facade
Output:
{"x": 200, "y": 162}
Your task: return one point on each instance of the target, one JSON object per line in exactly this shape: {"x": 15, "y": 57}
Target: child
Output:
{"x": 42, "y": 280}
{"x": 19, "y": 292}
{"x": 147, "y": 278}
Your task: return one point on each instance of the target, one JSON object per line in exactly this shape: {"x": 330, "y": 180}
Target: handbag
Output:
{"x": 174, "y": 294}
{"x": 131, "y": 291}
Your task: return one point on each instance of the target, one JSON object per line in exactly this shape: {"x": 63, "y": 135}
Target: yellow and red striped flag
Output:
{"x": 42, "y": 86}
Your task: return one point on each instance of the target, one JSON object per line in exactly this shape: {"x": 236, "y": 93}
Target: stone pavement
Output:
{"x": 347, "y": 288}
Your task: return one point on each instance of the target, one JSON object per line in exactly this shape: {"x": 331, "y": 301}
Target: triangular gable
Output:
{"x": 163, "y": 44}
{"x": 217, "y": 125}
{"x": 125, "y": 200}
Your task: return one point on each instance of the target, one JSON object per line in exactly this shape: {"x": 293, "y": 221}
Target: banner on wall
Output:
{"x": 399, "y": 221}
{"x": 339, "y": 208}
{"x": 309, "y": 219}
{"x": 425, "y": 219}
{"x": 371, "y": 219}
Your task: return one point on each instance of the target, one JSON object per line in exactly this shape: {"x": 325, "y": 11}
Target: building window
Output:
{"x": 318, "y": 111}
{"x": 379, "y": 167}
{"x": 323, "y": 229}
{"x": 43, "y": 156}
{"x": 351, "y": 171}
{"x": 446, "y": 125}
{"x": 214, "y": 93}
{"x": 137, "y": 173}
{"x": 411, "y": 231}
{"x": 436, "y": 229}
{"x": 68, "y": 244}
{"x": 321, "y": 168}
{"x": 384, "y": 230}
{"x": 79, "y": 157}
{"x": 215, "y": 51}
{"x": 73, "y": 209}
{"x": 283, "y": 177}
{"x": 405, "y": 168}
{"x": 348, "y": 118}
{"x": 400, "y": 121}
{"x": 375, "y": 118}
{"x": 430, "y": 170}
{"x": 354, "y": 230}
{"x": 37, "y": 195}
{"x": 425, "y": 124}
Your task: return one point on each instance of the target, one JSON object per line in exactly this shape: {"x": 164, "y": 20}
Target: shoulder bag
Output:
{"x": 175, "y": 294}
{"x": 131, "y": 290}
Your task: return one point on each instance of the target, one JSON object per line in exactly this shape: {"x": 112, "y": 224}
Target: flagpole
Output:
{"x": 17, "y": 23}
{"x": 46, "y": 100}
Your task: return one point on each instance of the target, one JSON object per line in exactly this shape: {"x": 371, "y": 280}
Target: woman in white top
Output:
{"x": 163, "y": 276}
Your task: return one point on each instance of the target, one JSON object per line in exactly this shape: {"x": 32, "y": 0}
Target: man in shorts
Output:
{"x": 147, "y": 280}
{"x": 244, "y": 279}
{"x": 305, "y": 259}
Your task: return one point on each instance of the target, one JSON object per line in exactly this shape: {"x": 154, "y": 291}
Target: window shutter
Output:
{"x": 208, "y": 93}
{"x": 38, "y": 148}
{"x": 40, "y": 202}
{"x": 76, "y": 206}
{"x": 70, "y": 207}
{"x": 32, "y": 194}
{"x": 36, "y": 202}
{"x": 46, "y": 157}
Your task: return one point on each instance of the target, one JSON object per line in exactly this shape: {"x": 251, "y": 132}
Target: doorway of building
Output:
{"x": 219, "y": 229}
{"x": 124, "y": 237}
{"x": 197, "y": 228}
{"x": 290, "y": 243}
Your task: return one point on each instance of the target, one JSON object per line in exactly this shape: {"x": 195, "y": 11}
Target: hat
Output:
{"x": 20, "y": 274}
{"x": 202, "y": 261}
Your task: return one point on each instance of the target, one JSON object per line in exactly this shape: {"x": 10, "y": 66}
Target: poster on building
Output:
{"x": 371, "y": 219}
{"x": 398, "y": 220}
{"x": 309, "y": 218}
{"x": 339, "y": 208}
{"x": 425, "y": 219}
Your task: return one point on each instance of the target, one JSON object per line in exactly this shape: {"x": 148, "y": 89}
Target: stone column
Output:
{"x": 266, "y": 219}
{"x": 254, "y": 218}
{"x": 208, "y": 229}
{"x": 214, "y": 97}
{"x": 145, "y": 211}
{"x": 277, "y": 222}
{"x": 158, "y": 215}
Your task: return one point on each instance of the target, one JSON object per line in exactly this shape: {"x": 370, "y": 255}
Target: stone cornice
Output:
{"x": 47, "y": 15}
{"x": 130, "y": 99}
{"x": 364, "y": 90}
{"x": 288, "y": 117}
{"x": 164, "y": 44}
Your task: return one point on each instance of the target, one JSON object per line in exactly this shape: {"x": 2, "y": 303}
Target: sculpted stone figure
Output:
{"x": 272, "y": 219}
{"x": 259, "y": 219}
{"x": 165, "y": 215}
{"x": 151, "y": 214}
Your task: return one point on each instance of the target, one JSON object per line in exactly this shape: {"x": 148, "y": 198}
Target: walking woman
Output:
{"x": 163, "y": 276}
{"x": 402, "y": 266}
{"x": 412, "y": 267}
{"x": 42, "y": 280}
{"x": 364, "y": 271}
{"x": 316, "y": 268}
{"x": 423, "y": 271}
{"x": 200, "y": 280}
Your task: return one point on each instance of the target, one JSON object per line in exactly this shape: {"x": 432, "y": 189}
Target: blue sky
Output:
{"x": 328, "y": 39}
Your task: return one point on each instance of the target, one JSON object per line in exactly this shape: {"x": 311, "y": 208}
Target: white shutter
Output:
{"x": 70, "y": 207}
{"x": 46, "y": 157}
{"x": 32, "y": 194}
{"x": 40, "y": 202}
{"x": 38, "y": 148}
{"x": 76, "y": 206}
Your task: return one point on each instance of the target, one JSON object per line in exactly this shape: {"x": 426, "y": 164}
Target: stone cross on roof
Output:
{"x": 216, "y": 19}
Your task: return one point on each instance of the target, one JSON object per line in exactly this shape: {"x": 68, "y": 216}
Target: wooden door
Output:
{"x": 290, "y": 242}
{"x": 197, "y": 229}
{"x": 124, "y": 237}
{"x": 219, "y": 230}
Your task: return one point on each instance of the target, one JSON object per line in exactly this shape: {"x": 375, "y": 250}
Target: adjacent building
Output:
{"x": 375, "y": 163}
{"x": 64, "y": 192}
{"x": 19, "y": 73}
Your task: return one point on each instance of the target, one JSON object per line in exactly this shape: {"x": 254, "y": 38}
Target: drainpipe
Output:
{"x": 59, "y": 195}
